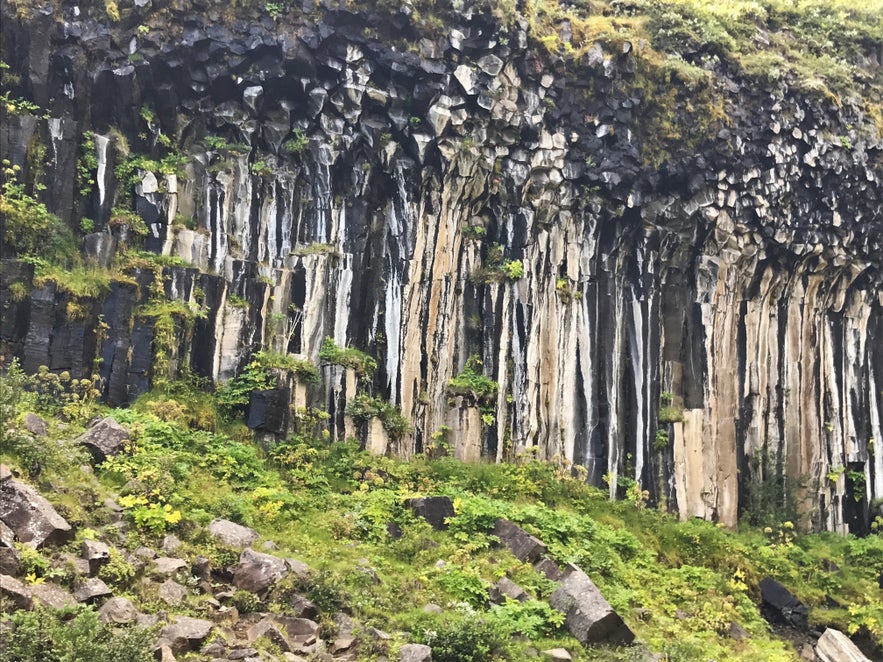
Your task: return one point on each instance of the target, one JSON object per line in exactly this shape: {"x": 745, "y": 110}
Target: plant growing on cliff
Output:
{"x": 348, "y": 357}
{"x": 471, "y": 383}
{"x": 365, "y": 407}
{"x": 297, "y": 143}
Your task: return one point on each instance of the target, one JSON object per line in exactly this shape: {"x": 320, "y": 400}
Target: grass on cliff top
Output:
{"x": 679, "y": 585}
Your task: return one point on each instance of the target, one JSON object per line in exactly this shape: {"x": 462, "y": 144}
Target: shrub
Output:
{"x": 45, "y": 635}
{"x": 471, "y": 383}
{"x": 348, "y": 357}
{"x": 364, "y": 407}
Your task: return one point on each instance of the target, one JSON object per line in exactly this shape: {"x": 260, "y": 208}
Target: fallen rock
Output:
{"x": 15, "y": 592}
{"x": 232, "y": 534}
{"x": 10, "y": 559}
{"x": 171, "y": 544}
{"x": 737, "y": 632}
{"x": 105, "y": 438}
{"x": 523, "y": 546}
{"x": 257, "y": 572}
{"x": 415, "y": 653}
{"x": 549, "y": 568}
{"x": 185, "y": 634}
{"x": 588, "y": 616}
{"x": 30, "y": 516}
{"x": 52, "y": 595}
{"x": 36, "y": 425}
{"x": 96, "y": 553}
{"x": 172, "y": 593}
{"x": 90, "y": 589}
{"x": 834, "y": 646}
{"x": 559, "y": 654}
{"x": 779, "y": 606}
{"x": 342, "y": 644}
{"x": 166, "y": 654}
{"x": 506, "y": 588}
{"x": 434, "y": 510}
{"x": 118, "y": 610}
{"x": 165, "y": 565}
{"x": 272, "y": 631}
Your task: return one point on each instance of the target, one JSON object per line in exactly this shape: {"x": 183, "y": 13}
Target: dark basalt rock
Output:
{"x": 30, "y": 516}
{"x": 588, "y": 616}
{"x": 780, "y": 606}
{"x": 523, "y": 546}
{"x": 434, "y": 510}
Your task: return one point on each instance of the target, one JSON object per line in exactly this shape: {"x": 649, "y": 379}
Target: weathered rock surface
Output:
{"x": 256, "y": 572}
{"x": 737, "y": 268}
{"x": 53, "y": 596}
{"x": 523, "y": 546}
{"x": 96, "y": 553}
{"x": 232, "y": 534}
{"x": 15, "y": 592}
{"x": 118, "y": 610}
{"x": 434, "y": 510}
{"x": 30, "y": 516}
{"x": 9, "y": 556}
{"x": 834, "y": 646}
{"x": 90, "y": 589}
{"x": 415, "y": 653}
{"x": 185, "y": 634}
{"x": 588, "y": 616}
{"x": 105, "y": 438}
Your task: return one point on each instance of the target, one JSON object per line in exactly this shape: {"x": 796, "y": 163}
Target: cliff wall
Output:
{"x": 674, "y": 281}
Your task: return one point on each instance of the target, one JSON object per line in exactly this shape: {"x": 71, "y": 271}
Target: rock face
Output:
{"x": 490, "y": 199}
{"x": 415, "y": 653}
{"x": 588, "y": 616}
{"x": 30, "y": 516}
{"x": 185, "y": 634}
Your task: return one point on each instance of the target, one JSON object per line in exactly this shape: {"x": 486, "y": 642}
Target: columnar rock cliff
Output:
{"x": 687, "y": 294}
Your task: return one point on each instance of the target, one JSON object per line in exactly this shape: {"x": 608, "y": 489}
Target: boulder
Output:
{"x": 30, "y": 516}
{"x": 119, "y": 611}
{"x": 834, "y": 646}
{"x": 90, "y": 589}
{"x": 105, "y": 438}
{"x": 52, "y": 595}
{"x": 523, "y": 546}
{"x": 434, "y": 510}
{"x": 165, "y": 565}
{"x": 185, "y": 634}
{"x": 36, "y": 425}
{"x": 415, "y": 653}
{"x": 232, "y": 534}
{"x": 558, "y": 654}
{"x": 588, "y": 616}
{"x": 15, "y": 592}
{"x": 96, "y": 553}
{"x": 268, "y": 629}
{"x": 779, "y": 606}
{"x": 172, "y": 593}
{"x": 549, "y": 568}
{"x": 10, "y": 559}
{"x": 256, "y": 571}
{"x": 506, "y": 588}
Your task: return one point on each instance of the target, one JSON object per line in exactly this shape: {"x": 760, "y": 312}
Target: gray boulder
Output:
{"x": 14, "y": 592}
{"x": 415, "y": 653}
{"x": 588, "y": 616}
{"x": 52, "y": 595}
{"x": 256, "y": 572}
{"x": 90, "y": 589}
{"x": 504, "y": 589}
{"x": 834, "y": 646}
{"x": 523, "y": 546}
{"x": 30, "y": 516}
{"x": 185, "y": 634}
{"x": 232, "y": 534}
{"x": 36, "y": 425}
{"x": 96, "y": 553}
{"x": 10, "y": 559}
{"x": 105, "y": 438}
{"x": 172, "y": 593}
{"x": 119, "y": 611}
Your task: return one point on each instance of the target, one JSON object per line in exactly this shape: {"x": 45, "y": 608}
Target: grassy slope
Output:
{"x": 329, "y": 504}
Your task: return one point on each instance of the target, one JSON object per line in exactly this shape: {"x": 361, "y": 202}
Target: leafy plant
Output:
{"x": 472, "y": 384}
{"x": 364, "y": 407}
{"x": 348, "y": 357}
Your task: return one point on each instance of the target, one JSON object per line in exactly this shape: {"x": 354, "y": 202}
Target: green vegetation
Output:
{"x": 472, "y": 384}
{"x": 298, "y": 143}
{"x": 348, "y": 357}
{"x": 257, "y": 375}
{"x": 364, "y": 407}
{"x": 679, "y": 585}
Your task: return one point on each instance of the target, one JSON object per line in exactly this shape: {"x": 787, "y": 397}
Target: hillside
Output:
{"x": 688, "y": 590}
